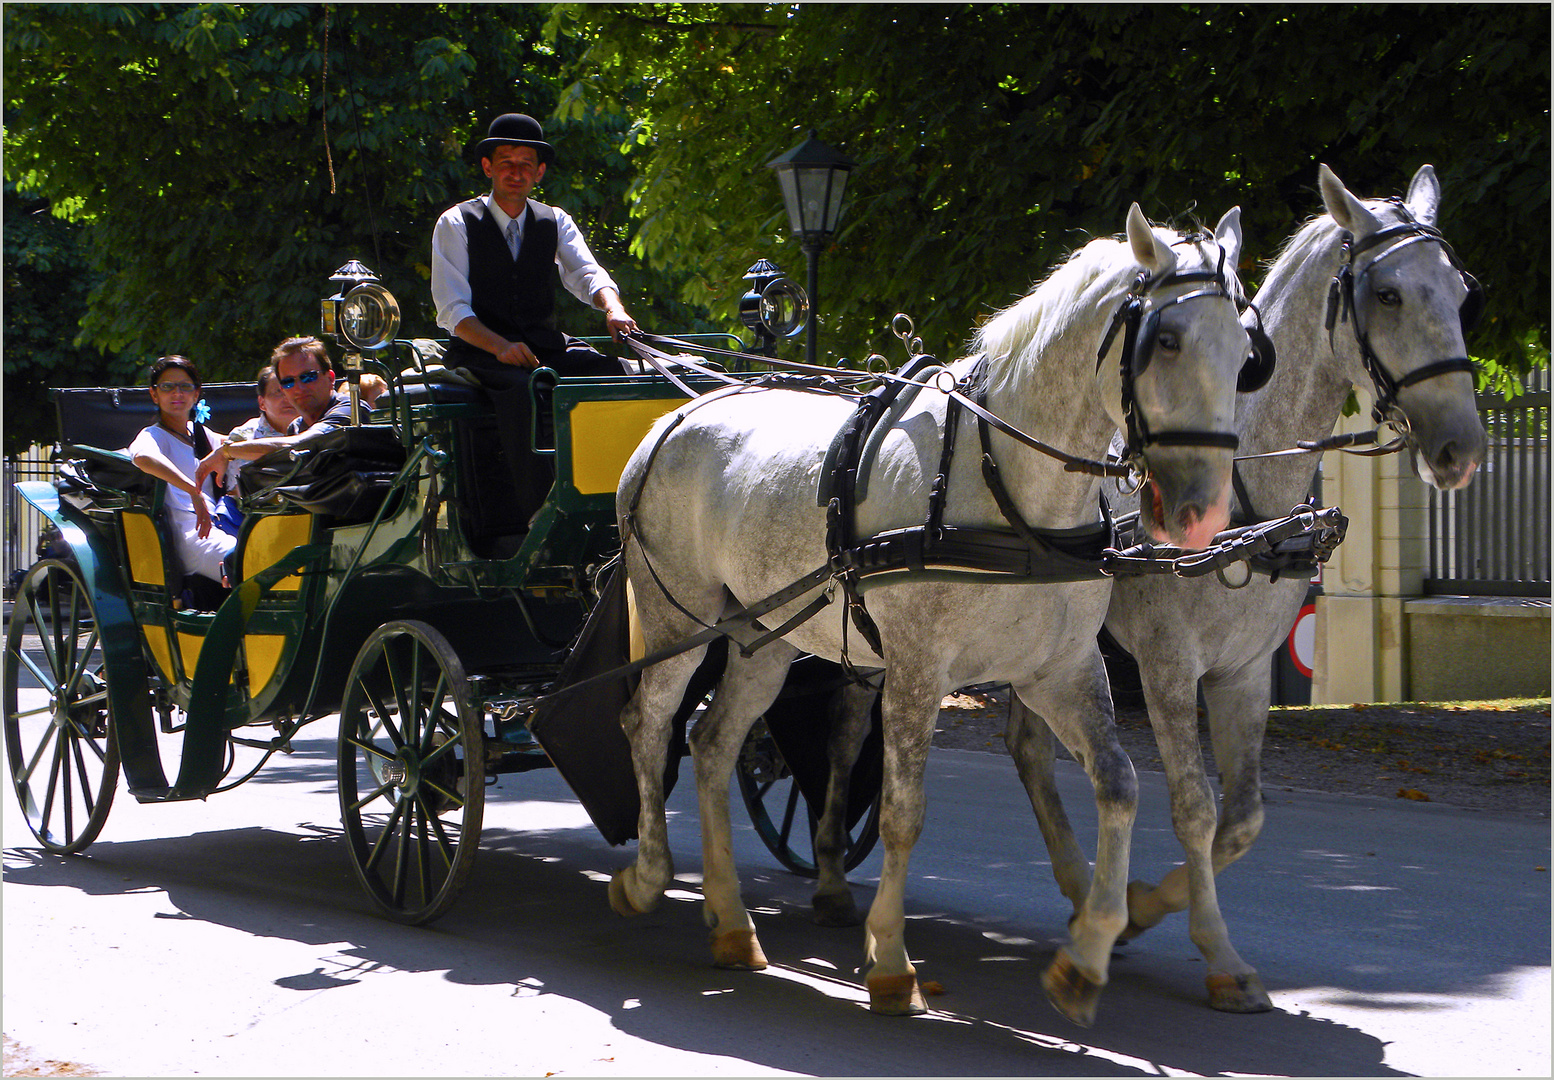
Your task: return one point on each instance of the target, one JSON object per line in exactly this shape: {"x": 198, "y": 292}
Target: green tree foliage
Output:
{"x": 220, "y": 161}
{"x": 45, "y": 296}
{"x": 992, "y": 139}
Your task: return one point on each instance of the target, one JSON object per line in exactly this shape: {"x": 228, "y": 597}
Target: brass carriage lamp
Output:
{"x": 813, "y": 177}
{"x": 363, "y": 315}
{"x": 772, "y": 307}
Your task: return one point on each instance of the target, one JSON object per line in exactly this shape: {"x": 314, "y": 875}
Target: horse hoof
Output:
{"x": 1238, "y": 993}
{"x": 620, "y": 898}
{"x": 895, "y": 995}
{"x": 738, "y": 949}
{"x": 836, "y": 910}
{"x": 1071, "y": 991}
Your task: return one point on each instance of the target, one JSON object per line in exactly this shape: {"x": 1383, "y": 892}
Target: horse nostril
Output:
{"x": 1189, "y": 516}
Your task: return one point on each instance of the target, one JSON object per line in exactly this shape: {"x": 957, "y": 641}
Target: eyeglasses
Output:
{"x": 307, "y": 378}
{"x": 176, "y": 387}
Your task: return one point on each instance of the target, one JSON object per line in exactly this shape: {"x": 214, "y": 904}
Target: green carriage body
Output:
{"x": 424, "y": 561}
{"x": 277, "y": 650}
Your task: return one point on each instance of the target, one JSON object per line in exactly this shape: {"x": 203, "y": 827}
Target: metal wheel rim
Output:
{"x": 61, "y": 743}
{"x": 411, "y": 772}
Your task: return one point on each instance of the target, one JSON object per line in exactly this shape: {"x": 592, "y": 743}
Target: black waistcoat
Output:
{"x": 514, "y": 298}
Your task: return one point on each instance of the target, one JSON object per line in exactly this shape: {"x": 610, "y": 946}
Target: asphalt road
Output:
{"x": 229, "y": 938}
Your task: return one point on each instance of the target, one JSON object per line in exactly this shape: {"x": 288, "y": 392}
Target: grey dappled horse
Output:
{"x": 1411, "y": 303}
{"x": 718, "y": 509}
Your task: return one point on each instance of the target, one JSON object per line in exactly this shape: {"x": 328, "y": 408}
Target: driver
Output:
{"x": 495, "y": 262}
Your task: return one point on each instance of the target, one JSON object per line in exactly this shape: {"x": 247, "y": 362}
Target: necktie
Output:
{"x": 512, "y": 236}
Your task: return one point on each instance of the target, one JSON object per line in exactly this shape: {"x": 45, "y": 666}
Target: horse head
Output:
{"x": 1410, "y": 303}
{"x": 1171, "y": 389}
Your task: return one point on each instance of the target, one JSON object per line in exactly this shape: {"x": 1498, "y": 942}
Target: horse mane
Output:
{"x": 1015, "y": 339}
{"x": 1311, "y": 239}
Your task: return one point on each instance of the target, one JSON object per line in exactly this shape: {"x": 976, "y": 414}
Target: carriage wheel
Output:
{"x": 62, "y": 747}
{"x": 412, "y": 772}
{"x": 782, "y": 816}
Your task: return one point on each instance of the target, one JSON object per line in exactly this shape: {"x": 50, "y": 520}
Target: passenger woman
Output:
{"x": 170, "y": 449}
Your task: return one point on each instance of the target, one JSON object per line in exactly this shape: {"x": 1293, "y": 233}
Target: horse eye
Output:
{"x": 1389, "y": 297}
{"x": 1168, "y": 340}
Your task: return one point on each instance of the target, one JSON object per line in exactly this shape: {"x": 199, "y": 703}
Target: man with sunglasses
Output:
{"x": 306, "y": 376}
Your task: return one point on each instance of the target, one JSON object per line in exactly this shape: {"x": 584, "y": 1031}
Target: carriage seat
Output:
{"x": 110, "y": 417}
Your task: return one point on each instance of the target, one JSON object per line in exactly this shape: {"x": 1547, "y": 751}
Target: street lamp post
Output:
{"x": 813, "y": 177}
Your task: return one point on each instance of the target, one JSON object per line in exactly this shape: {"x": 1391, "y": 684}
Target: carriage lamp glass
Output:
{"x": 363, "y": 313}
{"x": 813, "y": 177}
{"x": 772, "y": 306}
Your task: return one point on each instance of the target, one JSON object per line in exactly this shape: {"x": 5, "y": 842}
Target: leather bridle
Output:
{"x": 1139, "y": 321}
{"x": 1340, "y": 304}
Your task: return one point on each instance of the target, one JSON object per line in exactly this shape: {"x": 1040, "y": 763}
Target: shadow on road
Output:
{"x": 534, "y": 921}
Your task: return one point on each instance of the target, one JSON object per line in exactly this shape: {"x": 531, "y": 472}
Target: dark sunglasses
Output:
{"x": 307, "y": 378}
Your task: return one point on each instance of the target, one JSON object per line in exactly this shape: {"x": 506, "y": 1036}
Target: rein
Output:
{"x": 647, "y": 346}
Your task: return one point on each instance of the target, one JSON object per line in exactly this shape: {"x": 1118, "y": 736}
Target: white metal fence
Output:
{"x": 1491, "y": 538}
{"x": 22, "y": 522}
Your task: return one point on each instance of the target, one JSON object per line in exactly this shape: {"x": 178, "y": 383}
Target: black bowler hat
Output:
{"x": 516, "y": 129}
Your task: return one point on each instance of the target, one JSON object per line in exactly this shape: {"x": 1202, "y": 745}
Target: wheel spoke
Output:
{"x": 83, "y": 775}
{"x": 380, "y": 847}
{"x": 446, "y": 844}
{"x": 456, "y": 800}
{"x": 423, "y": 859}
{"x": 790, "y": 811}
{"x": 437, "y": 707}
{"x": 405, "y": 735}
{"x": 44, "y": 678}
{"x": 356, "y": 807}
{"x": 44, "y": 645}
{"x": 404, "y": 833}
{"x": 384, "y": 719}
{"x": 56, "y": 762}
{"x": 25, "y": 776}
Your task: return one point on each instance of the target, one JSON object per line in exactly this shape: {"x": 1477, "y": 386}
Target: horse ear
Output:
{"x": 1152, "y": 253}
{"x": 1424, "y": 195}
{"x": 1345, "y": 209}
{"x": 1228, "y": 235}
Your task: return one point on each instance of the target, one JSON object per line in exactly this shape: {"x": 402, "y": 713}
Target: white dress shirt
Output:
{"x": 582, "y": 276}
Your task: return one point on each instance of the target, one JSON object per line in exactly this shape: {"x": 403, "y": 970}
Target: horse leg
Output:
{"x": 1079, "y": 710}
{"x": 1209, "y": 844}
{"x": 646, "y": 718}
{"x": 1238, "y": 716}
{"x": 850, "y": 716}
{"x": 1031, "y": 744}
{"x": 749, "y": 686}
{"x": 911, "y": 705}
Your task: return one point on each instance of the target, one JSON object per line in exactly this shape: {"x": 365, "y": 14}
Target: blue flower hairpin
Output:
{"x": 202, "y": 411}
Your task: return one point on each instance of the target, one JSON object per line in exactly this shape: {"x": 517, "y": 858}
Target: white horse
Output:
{"x": 718, "y": 509}
{"x": 1408, "y": 307}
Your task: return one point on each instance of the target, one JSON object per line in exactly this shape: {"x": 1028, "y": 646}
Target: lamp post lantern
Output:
{"x": 813, "y": 177}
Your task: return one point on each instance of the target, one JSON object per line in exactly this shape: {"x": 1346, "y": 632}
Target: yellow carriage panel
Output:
{"x": 143, "y": 544}
{"x": 604, "y": 433}
{"x": 161, "y": 651}
{"x": 270, "y": 539}
{"x": 264, "y": 656}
